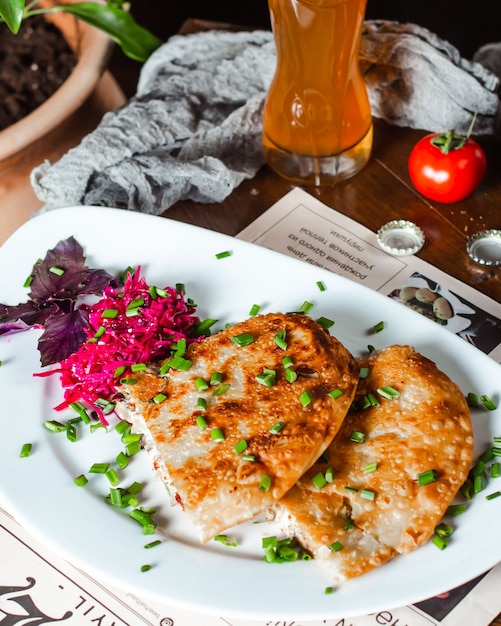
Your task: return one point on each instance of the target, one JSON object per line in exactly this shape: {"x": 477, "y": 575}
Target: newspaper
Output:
{"x": 39, "y": 587}
{"x": 301, "y": 226}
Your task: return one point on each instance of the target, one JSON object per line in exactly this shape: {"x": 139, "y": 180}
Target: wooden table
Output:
{"x": 380, "y": 192}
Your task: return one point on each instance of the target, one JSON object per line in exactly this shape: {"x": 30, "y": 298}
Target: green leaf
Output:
{"x": 11, "y": 12}
{"x": 136, "y": 42}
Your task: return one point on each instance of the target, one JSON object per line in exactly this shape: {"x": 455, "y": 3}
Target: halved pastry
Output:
{"x": 392, "y": 470}
{"x": 257, "y": 406}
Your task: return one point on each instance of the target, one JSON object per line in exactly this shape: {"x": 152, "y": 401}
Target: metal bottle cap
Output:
{"x": 400, "y": 237}
{"x": 485, "y": 247}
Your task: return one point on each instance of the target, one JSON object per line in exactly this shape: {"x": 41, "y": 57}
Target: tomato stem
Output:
{"x": 450, "y": 140}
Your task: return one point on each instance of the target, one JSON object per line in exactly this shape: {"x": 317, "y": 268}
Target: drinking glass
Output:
{"x": 317, "y": 123}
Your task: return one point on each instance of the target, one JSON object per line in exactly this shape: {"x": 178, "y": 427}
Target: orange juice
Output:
{"x": 317, "y": 124}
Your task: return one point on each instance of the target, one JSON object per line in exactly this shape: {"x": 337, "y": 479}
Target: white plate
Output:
{"x": 214, "y": 579}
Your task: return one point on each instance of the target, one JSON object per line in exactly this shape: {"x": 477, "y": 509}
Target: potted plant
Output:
{"x": 90, "y": 28}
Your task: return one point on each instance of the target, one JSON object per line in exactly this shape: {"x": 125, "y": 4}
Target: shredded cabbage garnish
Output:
{"x": 147, "y": 323}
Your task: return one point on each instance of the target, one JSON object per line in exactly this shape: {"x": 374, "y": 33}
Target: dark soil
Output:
{"x": 33, "y": 65}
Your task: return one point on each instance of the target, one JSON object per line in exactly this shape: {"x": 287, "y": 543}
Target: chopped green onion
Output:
{"x": 249, "y": 457}
{"x": 27, "y": 282}
{"x": 201, "y": 423}
{"x": 146, "y": 567}
{"x": 129, "y": 437}
{"x": 493, "y": 495}
{"x": 216, "y": 378}
{"x": 177, "y": 362}
{"x": 202, "y": 404}
{"x": 119, "y": 371}
{"x": 267, "y": 377}
{"x": 378, "y": 327}
{"x": 25, "y": 450}
{"x": 254, "y": 310}
{"x": 58, "y": 271}
{"x": 241, "y": 446}
{"x": 325, "y": 322}
{"x": 320, "y": 285}
{"x": 306, "y": 307}
{"x": 350, "y": 489}
{"x": 71, "y": 432}
{"x": 357, "y": 436}
{"x": 455, "y": 509}
{"x": 128, "y": 381}
{"x": 349, "y": 524}
{"x": 277, "y": 427}
{"x": 217, "y": 434}
{"x": 287, "y": 362}
{"x": 144, "y": 518}
{"x": 428, "y": 477}
{"x": 329, "y": 590}
{"x": 305, "y": 398}
{"x": 159, "y": 398}
{"x": 201, "y": 384}
{"x": 367, "y": 494}
{"x": 54, "y": 426}
{"x": 329, "y": 474}
{"x": 373, "y": 401}
{"x": 472, "y": 400}
{"x": 80, "y": 481}
{"x": 388, "y": 392}
{"x": 122, "y": 427}
{"x": 444, "y": 530}
{"x": 110, "y": 313}
{"x": 290, "y": 375}
{"x": 79, "y": 408}
{"x": 439, "y": 542}
{"x": 319, "y": 480}
{"x": 221, "y": 389}
{"x": 372, "y": 467}
{"x": 363, "y": 372}
{"x": 223, "y": 255}
{"x": 242, "y": 340}
{"x": 226, "y": 540}
{"x": 152, "y": 544}
{"x": 479, "y": 483}
{"x": 265, "y": 483}
{"x": 99, "y": 468}
{"x": 336, "y": 546}
{"x": 122, "y": 460}
{"x": 112, "y": 476}
{"x": 280, "y": 341}
{"x": 138, "y": 367}
{"x": 132, "y": 448}
{"x": 488, "y": 403}
{"x": 203, "y": 327}
{"x": 495, "y": 470}
{"x": 335, "y": 393}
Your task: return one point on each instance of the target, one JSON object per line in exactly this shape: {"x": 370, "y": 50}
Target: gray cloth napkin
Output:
{"x": 193, "y": 129}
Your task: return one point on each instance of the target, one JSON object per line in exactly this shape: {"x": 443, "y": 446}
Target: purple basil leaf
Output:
{"x": 63, "y": 334}
{"x": 96, "y": 282}
{"x": 22, "y": 316}
{"x": 76, "y": 277}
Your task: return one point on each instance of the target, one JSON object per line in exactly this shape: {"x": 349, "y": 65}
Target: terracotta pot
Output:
{"x": 73, "y": 111}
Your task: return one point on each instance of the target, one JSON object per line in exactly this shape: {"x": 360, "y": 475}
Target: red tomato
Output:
{"x": 447, "y": 167}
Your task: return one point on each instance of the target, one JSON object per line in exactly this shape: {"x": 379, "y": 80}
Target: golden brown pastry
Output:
{"x": 260, "y": 429}
{"x": 372, "y": 507}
